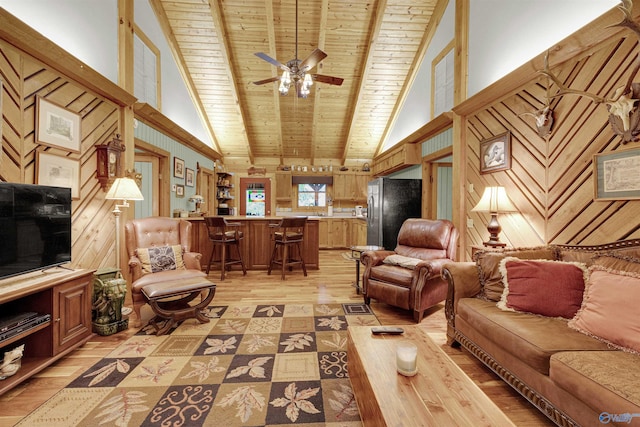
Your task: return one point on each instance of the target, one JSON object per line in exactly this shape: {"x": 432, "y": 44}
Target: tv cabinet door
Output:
{"x": 71, "y": 312}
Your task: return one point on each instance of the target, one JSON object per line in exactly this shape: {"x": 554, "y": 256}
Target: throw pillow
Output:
{"x": 544, "y": 287}
{"x": 488, "y": 263}
{"x": 402, "y": 261}
{"x": 161, "y": 258}
{"x": 609, "y": 308}
{"x": 616, "y": 261}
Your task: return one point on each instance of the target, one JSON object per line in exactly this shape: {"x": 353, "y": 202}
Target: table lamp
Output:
{"x": 124, "y": 189}
{"x": 494, "y": 200}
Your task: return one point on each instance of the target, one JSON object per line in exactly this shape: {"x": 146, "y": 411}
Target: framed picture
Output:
{"x": 58, "y": 171}
{"x": 495, "y": 153}
{"x": 617, "y": 175}
{"x": 56, "y": 126}
{"x": 190, "y": 178}
{"x": 178, "y": 167}
{"x": 179, "y": 190}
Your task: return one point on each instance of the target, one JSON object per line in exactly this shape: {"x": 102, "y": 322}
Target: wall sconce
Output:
{"x": 109, "y": 161}
{"x": 494, "y": 200}
{"x": 124, "y": 189}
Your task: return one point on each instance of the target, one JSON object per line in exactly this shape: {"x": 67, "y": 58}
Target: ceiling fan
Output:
{"x": 295, "y": 72}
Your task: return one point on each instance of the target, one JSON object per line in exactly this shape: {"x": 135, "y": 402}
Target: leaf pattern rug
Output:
{"x": 251, "y": 365}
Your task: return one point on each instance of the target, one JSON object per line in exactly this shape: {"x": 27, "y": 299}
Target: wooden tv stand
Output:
{"x": 66, "y": 296}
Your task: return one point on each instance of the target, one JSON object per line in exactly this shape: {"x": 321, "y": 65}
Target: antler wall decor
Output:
{"x": 624, "y": 114}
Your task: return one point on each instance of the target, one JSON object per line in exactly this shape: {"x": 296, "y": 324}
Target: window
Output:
{"x": 146, "y": 70}
{"x": 442, "y": 82}
{"x": 312, "y": 195}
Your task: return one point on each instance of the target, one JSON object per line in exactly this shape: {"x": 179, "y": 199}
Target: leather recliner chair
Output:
{"x": 152, "y": 232}
{"x": 411, "y": 278}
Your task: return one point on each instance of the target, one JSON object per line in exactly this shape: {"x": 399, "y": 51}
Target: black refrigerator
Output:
{"x": 389, "y": 203}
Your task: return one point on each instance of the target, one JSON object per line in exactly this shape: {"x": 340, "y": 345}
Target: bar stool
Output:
{"x": 290, "y": 233}
{"x": 224, "y": 234}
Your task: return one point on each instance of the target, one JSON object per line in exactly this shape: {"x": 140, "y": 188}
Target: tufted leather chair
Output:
{"x": 158, "y": 231}
{"x": 429, "y": 244}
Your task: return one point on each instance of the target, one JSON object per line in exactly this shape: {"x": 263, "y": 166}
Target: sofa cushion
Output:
{"x": 488, "y": 264}
{"x": 616, "y": 261}
{"x": 166, "y": 276}
{"x": 545, "y": 287}
{"x": 607, "y": 381}
{"x": 608, "y": 310}
{"x": 160, "y": 258}
{"x": 393, "y": 274}
{"x": 402, "y": 261}
{"x": 531, "y": 338}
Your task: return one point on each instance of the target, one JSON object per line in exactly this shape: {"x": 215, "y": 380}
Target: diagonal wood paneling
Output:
{"x": 23, "y": 79}
{"x": 551, "y": 180}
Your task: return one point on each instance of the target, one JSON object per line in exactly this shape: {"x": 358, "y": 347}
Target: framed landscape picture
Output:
{"x": 56, "y": 126}
{"x": 495, "y": 153}
{"x": 617, "y": 175}
{"x": 58, "y": 171}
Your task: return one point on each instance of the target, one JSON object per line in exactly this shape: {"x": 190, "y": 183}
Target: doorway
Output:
{"x": 437, "y": 172}
{"x": 153, "y": 165}
{"x": 255, "y": 196}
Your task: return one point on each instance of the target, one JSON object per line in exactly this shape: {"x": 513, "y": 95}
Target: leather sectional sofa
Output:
{"x": 575, "y": 374}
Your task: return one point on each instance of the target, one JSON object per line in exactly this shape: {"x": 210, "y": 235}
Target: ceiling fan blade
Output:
{"x": 312, "y": 60}
{"x": 272, "y": 61}
{"x": 327, "y": 79}
{"x": 272, "y": 79}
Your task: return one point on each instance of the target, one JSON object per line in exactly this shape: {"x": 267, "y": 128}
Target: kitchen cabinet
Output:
{"x": 284, "y": 187}
{"x": 350, "y": 186}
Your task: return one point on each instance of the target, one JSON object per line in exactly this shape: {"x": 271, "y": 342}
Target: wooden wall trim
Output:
{"x": 26, "y": 39}
{"x": 159, "y": 121}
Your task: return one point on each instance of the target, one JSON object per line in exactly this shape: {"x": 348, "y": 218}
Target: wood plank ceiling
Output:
{"x": 375, "y": 45}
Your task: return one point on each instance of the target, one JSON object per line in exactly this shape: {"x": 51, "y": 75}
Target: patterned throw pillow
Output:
{"x": 609, "y": 308}
{"x": 161, "y": 258}
{"x": 544, "y": 287}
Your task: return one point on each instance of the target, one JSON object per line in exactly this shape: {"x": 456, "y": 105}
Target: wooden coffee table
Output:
{"x": 440, "y": 394}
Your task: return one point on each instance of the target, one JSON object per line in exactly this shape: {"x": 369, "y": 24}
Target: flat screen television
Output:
{"x": 35, "y": 227}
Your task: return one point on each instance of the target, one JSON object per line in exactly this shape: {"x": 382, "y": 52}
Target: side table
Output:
{"x": 356, "y": 252}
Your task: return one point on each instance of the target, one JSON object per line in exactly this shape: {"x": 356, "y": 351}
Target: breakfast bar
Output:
{"x": 257, "y": 244}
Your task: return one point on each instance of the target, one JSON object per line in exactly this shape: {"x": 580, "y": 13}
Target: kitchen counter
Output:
{"x": 257, "y": 245}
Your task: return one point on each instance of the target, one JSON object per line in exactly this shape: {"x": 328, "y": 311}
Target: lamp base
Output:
{"x": 494, "y": 230}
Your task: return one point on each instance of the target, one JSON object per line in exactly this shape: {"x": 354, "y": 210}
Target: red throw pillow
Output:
{"x": 548, "y": 288}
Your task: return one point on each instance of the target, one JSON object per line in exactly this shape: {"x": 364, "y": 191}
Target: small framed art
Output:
{"x": 179, "y": 190}
{"x": 495, "y": 153}
{"x": 190, "y": 177}
{"x": 178, "y": 167}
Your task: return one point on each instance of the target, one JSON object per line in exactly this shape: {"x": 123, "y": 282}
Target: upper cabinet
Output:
{"x": 350, "y": 186}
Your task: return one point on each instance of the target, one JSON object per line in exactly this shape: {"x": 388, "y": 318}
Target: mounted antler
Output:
{"x": 544, "y": 120}
{"x": 624, "y": 116}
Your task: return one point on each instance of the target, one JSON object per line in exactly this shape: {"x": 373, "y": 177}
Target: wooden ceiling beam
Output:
{"x": 219, "y": 24}
{"x": 373, "y": 37}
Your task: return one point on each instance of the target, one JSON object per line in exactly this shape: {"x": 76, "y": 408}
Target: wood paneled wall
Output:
{"x": 23, "y": 79}
{"x": 551, "y": 180}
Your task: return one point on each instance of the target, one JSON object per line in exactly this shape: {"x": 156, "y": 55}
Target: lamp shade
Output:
{"x": 124, "y": 189}
{"x": 494, "y": 200}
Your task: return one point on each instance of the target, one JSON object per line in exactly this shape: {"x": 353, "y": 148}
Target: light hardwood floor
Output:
{"x": 332, "y": 283}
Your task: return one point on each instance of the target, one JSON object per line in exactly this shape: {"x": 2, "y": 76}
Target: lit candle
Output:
{"x": 406, "y": 358}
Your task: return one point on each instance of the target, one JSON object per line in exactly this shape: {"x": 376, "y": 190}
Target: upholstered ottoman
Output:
{"x": 170, "y": 301}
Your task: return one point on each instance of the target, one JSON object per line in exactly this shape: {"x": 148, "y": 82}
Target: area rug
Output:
{"x": 251, "y": 365}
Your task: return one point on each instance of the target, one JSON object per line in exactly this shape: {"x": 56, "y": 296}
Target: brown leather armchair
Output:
{"x": 153, "y": 232}
{"x": 411, "y": 278}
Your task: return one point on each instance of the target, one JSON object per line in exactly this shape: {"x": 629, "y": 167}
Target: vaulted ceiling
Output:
{"x": 376, "y": 46}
